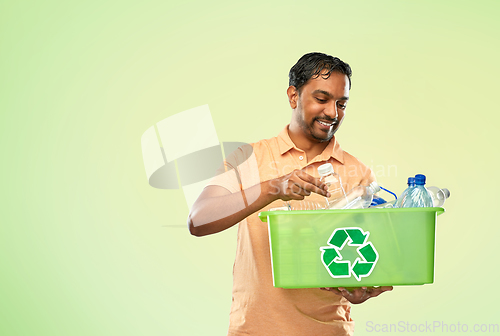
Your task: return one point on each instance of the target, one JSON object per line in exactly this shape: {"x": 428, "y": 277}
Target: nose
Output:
{"x": 331, "y": 110}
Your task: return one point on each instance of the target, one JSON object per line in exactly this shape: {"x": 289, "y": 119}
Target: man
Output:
{"x": 263, "y": 175}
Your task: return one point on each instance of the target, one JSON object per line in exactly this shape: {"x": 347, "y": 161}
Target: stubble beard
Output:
{"x": 309, "y": 129}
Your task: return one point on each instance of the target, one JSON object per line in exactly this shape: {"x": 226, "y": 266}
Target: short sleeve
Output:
{"x": 239, "y": 170}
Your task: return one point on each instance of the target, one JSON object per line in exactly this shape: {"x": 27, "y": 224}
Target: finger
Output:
{"x": 360, "y": 294}
{"x": 307, "y": 187}
{"x": 310, "y": 187}
{"x": 344, "y": 292}
{"x": 379, "y": 290}
{"x": 299, "y": 190}
{"x": 334, "y": 290}
{"x": 313, "y": 183}
{"x": 296, "y": 193}
{"x": 295, "y": 197}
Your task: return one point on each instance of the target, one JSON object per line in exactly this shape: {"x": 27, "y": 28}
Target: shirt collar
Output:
{"x": 332, "y": 150}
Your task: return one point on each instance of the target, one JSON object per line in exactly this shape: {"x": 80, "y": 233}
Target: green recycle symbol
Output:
{"x": 332, "y": 259}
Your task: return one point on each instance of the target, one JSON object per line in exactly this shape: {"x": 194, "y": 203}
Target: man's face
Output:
{"x": 320, "y": 107}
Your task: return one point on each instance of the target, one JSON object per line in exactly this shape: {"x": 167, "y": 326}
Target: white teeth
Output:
{"x": 323, "y": 123}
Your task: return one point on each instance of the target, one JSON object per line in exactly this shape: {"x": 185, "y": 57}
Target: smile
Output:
{"x": 324, "y": 123}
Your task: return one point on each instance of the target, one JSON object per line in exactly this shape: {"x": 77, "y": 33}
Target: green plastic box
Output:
{"x": 352, "y": 248}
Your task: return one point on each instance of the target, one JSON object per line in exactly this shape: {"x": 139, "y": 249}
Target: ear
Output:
{"x": 293, "y": 96}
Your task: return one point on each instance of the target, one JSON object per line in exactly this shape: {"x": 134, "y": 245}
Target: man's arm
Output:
{"x": 217, "y": 209}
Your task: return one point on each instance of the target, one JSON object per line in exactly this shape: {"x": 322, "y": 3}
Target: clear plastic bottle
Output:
{"x": 419, "y": 196}
{"x": 404, "y": 195}
{"x": 360, "y": 197}
{"x": 305, "y": 204}
{"x": 334, "y": 183}
{"x": 438, "y": 195}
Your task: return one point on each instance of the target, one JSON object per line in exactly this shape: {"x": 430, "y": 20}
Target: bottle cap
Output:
{"x": 419, "y": 179}
{"x": 375, "y": 187}
{"x": 411, "y": 180}
{"x": 378, "y": 200}
{"x": 446, "y": 192}
{"x": 325, "y": 169}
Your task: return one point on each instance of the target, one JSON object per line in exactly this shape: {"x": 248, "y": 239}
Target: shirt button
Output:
{"x": 301, "y": 157}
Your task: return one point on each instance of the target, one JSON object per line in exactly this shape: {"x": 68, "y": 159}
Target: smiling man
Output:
{"x": 261, "y": 176}
{"x": 318, "y": 104}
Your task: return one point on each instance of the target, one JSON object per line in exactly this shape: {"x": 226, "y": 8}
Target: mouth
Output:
{"x": 326, "y": 125}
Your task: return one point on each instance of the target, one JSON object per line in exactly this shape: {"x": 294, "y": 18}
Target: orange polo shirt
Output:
{"x": 258, "y": 308}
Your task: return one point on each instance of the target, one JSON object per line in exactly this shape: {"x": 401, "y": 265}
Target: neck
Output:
{"x": 310, "y": 146}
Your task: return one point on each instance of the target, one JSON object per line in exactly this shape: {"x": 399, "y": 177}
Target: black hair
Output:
{"x": 316, "y": 64}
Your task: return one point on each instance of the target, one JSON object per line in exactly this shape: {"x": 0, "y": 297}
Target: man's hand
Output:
{"x": 297, "y": 185}
{"x": 359, "y": 294}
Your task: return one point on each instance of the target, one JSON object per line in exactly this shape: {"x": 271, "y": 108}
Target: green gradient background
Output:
{"x": 83, "y": 246}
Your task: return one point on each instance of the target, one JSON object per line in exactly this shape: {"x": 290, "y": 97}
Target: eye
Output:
{"x": 342, "y": 106}
{"x": 320, "y": 100}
